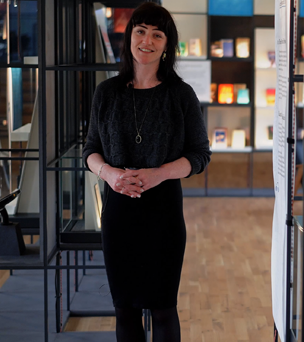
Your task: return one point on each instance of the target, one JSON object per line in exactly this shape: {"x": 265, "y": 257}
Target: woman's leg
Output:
{"x": 165, "y": 325}
{"x": 129, "y": 327}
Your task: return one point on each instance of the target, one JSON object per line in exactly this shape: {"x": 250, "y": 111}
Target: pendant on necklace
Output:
{"x": 138, "y": 139}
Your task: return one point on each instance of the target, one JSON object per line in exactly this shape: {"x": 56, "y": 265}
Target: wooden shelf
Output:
{"x": 247, "y": 149}
{"x": 263, "y": 149}
{"x": 231, "y": 59}
{"x": 191, "y": 58}
{"x": 216, "y": 104}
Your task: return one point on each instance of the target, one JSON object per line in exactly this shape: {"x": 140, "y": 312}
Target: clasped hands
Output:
{"x": 133, "y": 183}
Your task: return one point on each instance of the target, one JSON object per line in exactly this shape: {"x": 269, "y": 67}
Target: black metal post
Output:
{"x": 252, "y": 119}
{"x": 58, "y": 293}
{"x": 84, "y": 262}
{"x": 42, "y": 152}
{"x": 68, "y": 281}
{"x": 76, "y": 270}
{"x": 147, "y": 326}
{"x": 290, "y": 160}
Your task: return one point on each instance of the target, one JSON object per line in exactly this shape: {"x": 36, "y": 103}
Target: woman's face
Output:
{"x": 147, "y": 44}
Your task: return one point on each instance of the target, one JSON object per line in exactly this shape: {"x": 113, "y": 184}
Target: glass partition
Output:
{"x": 23, "y": 33}
{"x": 80, "y": 195}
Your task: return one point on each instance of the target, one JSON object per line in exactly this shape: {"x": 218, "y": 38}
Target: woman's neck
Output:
{"x": 145, "y": 78}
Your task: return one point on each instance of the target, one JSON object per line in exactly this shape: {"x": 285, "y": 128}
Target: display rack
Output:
{"x": 69, "y": 67}
{"x": 253, "y": 162}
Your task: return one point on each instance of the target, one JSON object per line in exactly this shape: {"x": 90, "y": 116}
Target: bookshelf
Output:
{"x": 247, "y": 170}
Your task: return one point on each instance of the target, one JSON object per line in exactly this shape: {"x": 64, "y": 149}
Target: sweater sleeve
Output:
{"x": 197, "y": 146}
{"x": 93, "y": 142}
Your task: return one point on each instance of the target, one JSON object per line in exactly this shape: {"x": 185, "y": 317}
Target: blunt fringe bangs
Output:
{"x": 150, "y": 13}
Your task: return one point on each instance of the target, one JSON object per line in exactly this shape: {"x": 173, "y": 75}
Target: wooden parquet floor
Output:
{"x": 225, "y": 291}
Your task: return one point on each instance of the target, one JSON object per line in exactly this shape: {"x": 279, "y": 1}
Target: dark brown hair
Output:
{"x": 150, "y": 13}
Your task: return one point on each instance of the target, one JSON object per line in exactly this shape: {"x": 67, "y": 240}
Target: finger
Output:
{"x": 132, "y": 194}
{"x": 132, "y": 180}
{"x": 118, "y": 186}
{"x": 133, "y": 188}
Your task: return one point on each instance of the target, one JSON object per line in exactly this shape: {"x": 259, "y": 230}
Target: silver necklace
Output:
{"x": 138, "y": 138}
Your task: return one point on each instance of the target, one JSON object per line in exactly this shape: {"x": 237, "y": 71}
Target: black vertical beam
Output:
{"x": 84, "y": 74}
{"x": 57, "y": 23}
{"x": 290, "y": 165}
{"x": 77, "y": 29}
{"x": 42, "y": 152}
{"x": 58, "y": 293}
{"x": 84, "y": 262}
{"x": 146, "y": 319}
{"x": 302, "y": 299}
{"x": 20, "y": 52}
{"x": 77, "y": 74}
{"x": 252, "y": 109}
{"x": 68, "y": 281}
{"x": 76, "y": 270}
{"x": 60, "y": 77}
{"x": 59, "y": 30}
{"x": 205, "y": 116}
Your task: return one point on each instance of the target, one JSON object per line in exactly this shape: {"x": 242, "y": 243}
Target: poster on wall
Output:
{"x": 198, "y": 75}
{"x": 280, "y": 164}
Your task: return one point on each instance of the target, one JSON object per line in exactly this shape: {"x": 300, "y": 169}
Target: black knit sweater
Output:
{"x": 173, "y": 127}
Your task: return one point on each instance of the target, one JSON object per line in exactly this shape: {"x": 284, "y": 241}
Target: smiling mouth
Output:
{"x": 145, "y": 50}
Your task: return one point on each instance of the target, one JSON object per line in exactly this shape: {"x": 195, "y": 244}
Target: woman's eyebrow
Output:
{"x": 155, "y": 29}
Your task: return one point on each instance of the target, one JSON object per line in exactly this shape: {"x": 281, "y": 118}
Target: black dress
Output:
{"x": 144, "y": 239}
{"x": 143, "y": 243}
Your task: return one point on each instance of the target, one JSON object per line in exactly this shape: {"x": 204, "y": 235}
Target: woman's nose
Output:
{"x": 147, "y": 39}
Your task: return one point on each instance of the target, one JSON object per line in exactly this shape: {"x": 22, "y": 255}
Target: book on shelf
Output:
{"x": 270, "y": 132}
{"x": 216, "y": 49}
{"x": 195, "y": 47}
{"x": 213, "y": 92}
{"x": 238, "y": 138}
{"x": 227, "y": 46}
{"x": 300, "y": 133}
{"x": 225, "y": 93}
{"x": 243, "y": 96}
{"x": 270, "y": 96}
{"x": 183, "y": 49}
{"x": 219, "y": 139}
{"x": 236, "y": 88}
{"x": 242, "y": 47}
{"x": 271, "y": 58}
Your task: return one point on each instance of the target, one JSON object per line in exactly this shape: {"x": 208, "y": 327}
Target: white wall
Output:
{"x": 264, "y": 7}
{"x": 186, "y": 6}
{"x": 260, "y": 6}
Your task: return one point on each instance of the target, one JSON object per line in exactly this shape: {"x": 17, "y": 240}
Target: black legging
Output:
{"x": 165, "y": 325}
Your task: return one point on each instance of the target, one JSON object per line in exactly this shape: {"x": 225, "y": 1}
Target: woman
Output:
{"x": 146, "y": 132}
